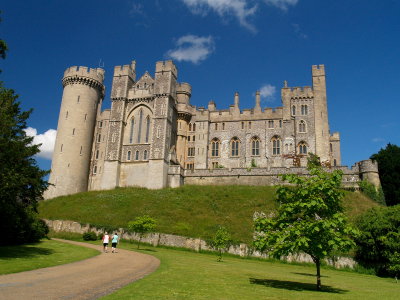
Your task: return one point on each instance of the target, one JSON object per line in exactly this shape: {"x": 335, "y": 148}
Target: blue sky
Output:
{"x": 219, "y": 47}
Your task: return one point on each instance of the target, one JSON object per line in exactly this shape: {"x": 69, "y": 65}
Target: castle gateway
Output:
{"x": 153, "y": 137}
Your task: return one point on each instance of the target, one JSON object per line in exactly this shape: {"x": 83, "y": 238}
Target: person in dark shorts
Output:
{"x": 114, "y": 243}
{"x": 106, "y": 240}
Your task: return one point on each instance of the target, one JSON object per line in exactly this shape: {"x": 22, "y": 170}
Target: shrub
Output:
{"x": 89, "y": 236}
{"x": 378, "y": 245}
{"x": 369, "y": 190}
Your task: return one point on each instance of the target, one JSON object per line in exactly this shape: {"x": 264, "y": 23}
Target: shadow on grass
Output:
{"x": 23, "y": 251}
{"x": 149, "y": 250}
{"x": 307, "y": 274}
{"x": 296, "y": 286}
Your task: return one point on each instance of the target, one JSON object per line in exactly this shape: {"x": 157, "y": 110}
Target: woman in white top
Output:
{"x": 106, "y": 240}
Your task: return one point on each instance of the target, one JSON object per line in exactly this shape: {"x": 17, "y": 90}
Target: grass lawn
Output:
{"x": 46, "y": 253}
{"x": 193, "y": 211}
{"x": 188, "y": 275}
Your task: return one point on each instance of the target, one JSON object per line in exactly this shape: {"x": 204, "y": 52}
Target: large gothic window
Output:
{"x": 276, "y": 145}
{"x": 302, "y": 148}
{"x": 302, "y": 126}
{"x": 215, "y": 147}
{"x": 235, "y": 146}
{"x": 140, "y": 125}
{"x": 255, "y": 146}
{"x": 304, "y": 110}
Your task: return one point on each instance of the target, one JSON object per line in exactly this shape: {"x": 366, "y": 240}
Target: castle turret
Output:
{"x": 369, "y": 172}
{"x": 322, "y": 134}
{"x": 257, "y": 108}
{"x": 183, "y": 93}
{"x": 83, "y": 91}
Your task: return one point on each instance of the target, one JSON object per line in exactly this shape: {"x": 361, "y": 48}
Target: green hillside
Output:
{"x": 193, "y": 211}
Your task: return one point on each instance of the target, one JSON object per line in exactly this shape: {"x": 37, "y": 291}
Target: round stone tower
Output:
{"x": 369, "y": 172}
{"x": 83, "y": 91}
{"x": 183, "y": 93}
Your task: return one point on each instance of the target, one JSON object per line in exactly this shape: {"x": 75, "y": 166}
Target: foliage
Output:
{"x": 389, "y": 172}
{"x": 21, "y": 180}
{"x": 89, "y": 236}
{"x": 309, "y": 218}
{"x": 221, "y": 241}
{"x": 253, "y": 163}
{"x": 370, "y": 191}
{"x": 378, "y": 245}
{"x": 142, "y": 225}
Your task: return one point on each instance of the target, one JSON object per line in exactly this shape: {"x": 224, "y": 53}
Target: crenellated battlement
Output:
{"x": 367, "y": 166}
{"x": 184, "y": 88}
{"x": 166, "y": 66}
{"x": 305, "y": 92}
{"x": 335, "y": 136}
{"x": 126, "y": 70}
{"x": 318, "y": 70}
{"x": 96, "y": 74}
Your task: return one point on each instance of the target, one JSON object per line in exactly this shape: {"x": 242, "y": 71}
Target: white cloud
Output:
{"x": 378, "y": 140}
{"x": 46, "y": 140}
{"x": 299, "y": 32}
{"x": 192, "y": 48}
{"x": 267, "y": 92}
{"x": 241, "y": 9}
{"x": 282, "y": 4}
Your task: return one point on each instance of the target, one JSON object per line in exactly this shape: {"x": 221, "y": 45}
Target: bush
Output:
{"x": 369, "y": 190}
{"x": 378, "y": 245}
{"x": 89, "y": 236}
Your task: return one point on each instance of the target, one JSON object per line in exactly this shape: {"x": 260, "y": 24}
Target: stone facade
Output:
{"x": 153, "y": 137}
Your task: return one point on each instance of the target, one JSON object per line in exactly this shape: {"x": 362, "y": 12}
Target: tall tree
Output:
{"x": 309, "y": 218}
{"x": 389, "y": 172}
{"x": 21, "y": 180}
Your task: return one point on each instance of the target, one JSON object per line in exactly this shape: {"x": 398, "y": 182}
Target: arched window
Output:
{"x": 194, "y": 127}
{"x": 137, "y": 155}
{"x": 255, "y": 146}
{"x": 145, "y": 155}
{"x": 215, "y": 147}
{"x": 128, "y": 155}
{"x": 293, "y": 110}
{"x": 148, "y": 128}
{"x": 302, "y": 148}
{"x": 235, "y": 146}
{"x": 140, "y": 125}
{"x": 276, "y": 145}
{"x": 190, "y": 126}
{"x": 302, "y": 126}
{"x": 132, "y": 128}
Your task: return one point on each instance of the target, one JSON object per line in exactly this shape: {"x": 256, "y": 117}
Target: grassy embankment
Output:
{"x": 193, "y": 211}
{"x": 46, "y": 253}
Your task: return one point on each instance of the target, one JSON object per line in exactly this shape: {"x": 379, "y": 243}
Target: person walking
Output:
{"x": 106, "y": 240}
{"x": 114, "y": 243}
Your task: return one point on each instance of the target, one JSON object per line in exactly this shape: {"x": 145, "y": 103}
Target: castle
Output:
{"x": 153, "y": 137}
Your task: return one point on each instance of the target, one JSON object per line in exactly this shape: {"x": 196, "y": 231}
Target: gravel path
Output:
{"x": 88, "y": 279}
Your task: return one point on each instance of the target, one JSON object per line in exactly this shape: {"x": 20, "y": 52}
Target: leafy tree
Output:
{"x": 309, "y": 218}
{"x": 21, "y": 180}
{"x": 142, "y": 225}
{"x": 389, "y": 172}
{"x": 370, "y": 191}
{"x": 378, "y": 245}
{"x": 221, "y": 241}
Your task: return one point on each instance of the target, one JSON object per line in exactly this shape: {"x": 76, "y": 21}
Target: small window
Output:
{"x": 223, "y": 126}
{"x": 97, "y": 154}
{"x": 79, "y": 97}
{"x": 331, "y": 147}
{"x": 334, "y": 163}
{"x": 276, "y": 145}
{"x": 235, "y": 147}
{"x": 100, "y": 124}
{"x": 302, "y": 126}
{"x": 215, "y": 164}
{"x": 191, "y": 151}
{"x": 302, "y": 148}
{"x": 194, "y": 138}
{"x": 242, "y": 125}
{"x": 128, "y": 155}
{"x": 85, "y": 117}
{"x": 304, "y": 109}
{"x": 99, "y": 138}
{"x": 249, "y": 125}
{"x": 94, "y": 169}
{"x": 190, "y": 126}
{"x": 293, "y": 110}
{"x": 190, "y": 166}
{"x": 61, "y": 147}
{"x": 73, "y": 131}
{"x": 80, "y": 151}
{"x": 280, "y": 123}
{"x": 216, "y": 126}
{"x": 189, "y": 137}
{"x": 137, "y": 155}
{"x": 271, "y": 124}
{"x": 194, "y": 127}
{"x": 66, "y": 115}
{"x": 215, "y": 148}
{"x": 255, "y": 146}
{"x": 145, "y": 155}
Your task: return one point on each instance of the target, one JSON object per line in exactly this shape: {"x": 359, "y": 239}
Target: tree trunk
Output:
{"x": 318, "y": 264}
{"x": 140, "y": 238}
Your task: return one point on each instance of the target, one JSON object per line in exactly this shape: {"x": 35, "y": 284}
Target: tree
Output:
{"x": 309, "y": 218}
{"x": 378, "y": 245}
{"x": 376, "y": 194}
{"x": 21, "y": 180}
{"x": 389, "y": 172}
{"x": 142, "y": 225}
{"x": 221, "y": 241}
